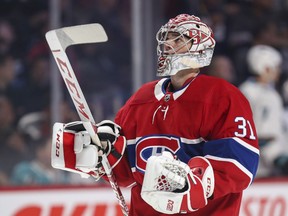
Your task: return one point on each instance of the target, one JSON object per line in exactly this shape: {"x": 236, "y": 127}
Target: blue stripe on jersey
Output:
{"x": 188, "y": 151}
{"x": 131, "y": 155}
{"x": 229, "y": 148}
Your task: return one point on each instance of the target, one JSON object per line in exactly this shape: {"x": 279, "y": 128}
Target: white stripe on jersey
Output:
{"x": 246, "y": 145}
{"x": 191, "y": 141}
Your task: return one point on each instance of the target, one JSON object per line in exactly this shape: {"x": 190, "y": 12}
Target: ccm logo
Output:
{"x": 57, "y": 143}
{"x": 208, "y": 188}
{"x": 170, "y": 205}
{"x": 73, "y": 86}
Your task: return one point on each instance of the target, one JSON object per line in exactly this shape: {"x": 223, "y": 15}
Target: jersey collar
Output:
{"x": 161, "y": 88}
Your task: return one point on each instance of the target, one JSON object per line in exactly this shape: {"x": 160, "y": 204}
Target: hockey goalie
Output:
{"x": 185, "y": 144}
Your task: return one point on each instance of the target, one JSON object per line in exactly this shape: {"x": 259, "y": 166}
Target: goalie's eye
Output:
{"x": 172, "y": 36}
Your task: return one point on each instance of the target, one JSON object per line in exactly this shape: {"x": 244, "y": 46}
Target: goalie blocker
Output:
{"x": 171, "y": 186}
{"x": 73, "y": 151}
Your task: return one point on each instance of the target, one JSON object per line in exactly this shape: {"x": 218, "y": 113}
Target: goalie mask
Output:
{"x": 195, "y": 49}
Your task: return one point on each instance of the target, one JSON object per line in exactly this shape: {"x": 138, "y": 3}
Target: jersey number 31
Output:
{"x": 244, "y": 127}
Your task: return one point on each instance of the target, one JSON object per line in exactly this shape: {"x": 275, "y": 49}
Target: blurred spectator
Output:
{"x": 38, "y": 171}
{"x": 10, "y": 83}
{"x": 7, "y": 36}
{"x": 13, "y": 148}
{"x": 34, "y": 94}
{"x": 268, "y": 110}
{"x": 221, "y": 66}
{"x": 7, "y": 72}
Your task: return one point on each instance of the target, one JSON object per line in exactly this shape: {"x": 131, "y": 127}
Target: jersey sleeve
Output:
{"x": 122, "y": 173}
{"x": 232, "y": 144}
{"x": 122, "y": 170}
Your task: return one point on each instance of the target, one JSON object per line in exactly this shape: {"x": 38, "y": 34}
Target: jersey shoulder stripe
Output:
{"x": 236, "y": 151}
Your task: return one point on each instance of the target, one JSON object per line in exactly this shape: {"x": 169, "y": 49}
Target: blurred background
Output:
{"x": 32, "y": 94}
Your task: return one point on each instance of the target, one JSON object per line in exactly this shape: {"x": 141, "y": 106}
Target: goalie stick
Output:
{"x": 58, "y": 40}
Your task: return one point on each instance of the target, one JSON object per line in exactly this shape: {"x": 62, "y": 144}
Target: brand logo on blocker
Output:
{"x": 57, "y": 153}
{"x": 170, "y": 205}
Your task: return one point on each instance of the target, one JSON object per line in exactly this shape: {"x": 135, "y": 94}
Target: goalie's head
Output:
{"x": 184, "y": 42}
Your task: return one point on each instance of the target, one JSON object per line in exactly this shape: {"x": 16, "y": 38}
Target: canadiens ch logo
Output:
{"x": 154, "y": 145}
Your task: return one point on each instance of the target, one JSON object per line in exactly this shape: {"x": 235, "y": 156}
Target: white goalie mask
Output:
{"x": 197, "y": 38}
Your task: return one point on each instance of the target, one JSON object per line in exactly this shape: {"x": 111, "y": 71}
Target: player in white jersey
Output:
{"x": 267, "y": 106}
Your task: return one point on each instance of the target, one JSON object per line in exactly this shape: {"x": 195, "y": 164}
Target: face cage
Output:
{"x": 164, "y": 43}
{"x": 170, "y": 64}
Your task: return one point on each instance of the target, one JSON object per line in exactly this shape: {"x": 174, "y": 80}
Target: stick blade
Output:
{"x": 79, "y": 34}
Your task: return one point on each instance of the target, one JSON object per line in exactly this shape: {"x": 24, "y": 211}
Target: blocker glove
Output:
{"x": 74, "y": 151}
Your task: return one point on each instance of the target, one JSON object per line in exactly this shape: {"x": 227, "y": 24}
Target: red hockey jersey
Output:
{"x": 207, "y": 117}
